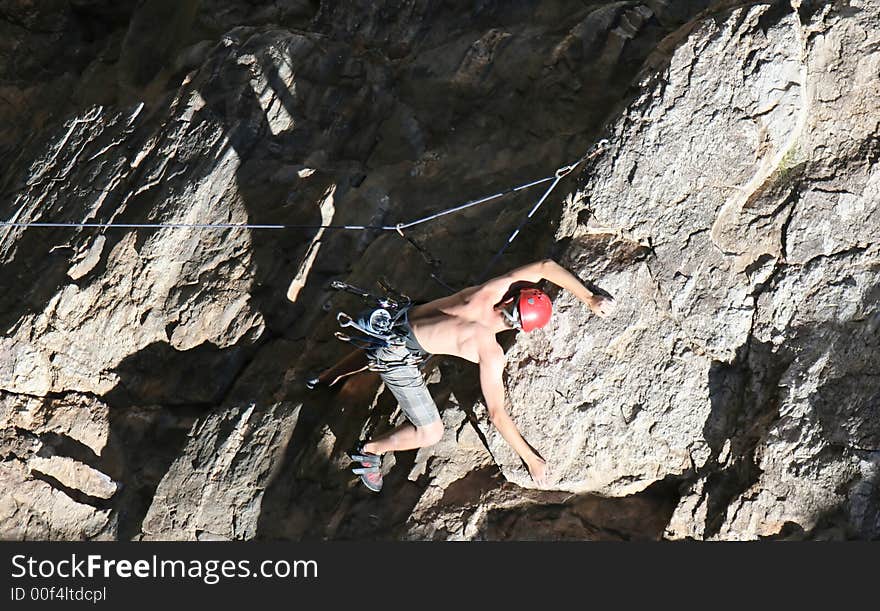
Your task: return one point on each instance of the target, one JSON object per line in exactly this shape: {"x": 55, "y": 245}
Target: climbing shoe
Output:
{"x": 369, "y": 468}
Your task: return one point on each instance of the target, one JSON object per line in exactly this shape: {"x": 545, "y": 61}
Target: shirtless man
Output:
{"x": 465, "y": 324}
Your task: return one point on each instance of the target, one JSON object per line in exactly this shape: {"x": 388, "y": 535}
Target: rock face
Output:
{"x": 735, "y": 224}
{"x": 152, "y": 380}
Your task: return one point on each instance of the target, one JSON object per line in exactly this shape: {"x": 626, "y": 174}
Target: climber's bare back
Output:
{"x": 458, "y": 324}
{"x": 465, "y": 323}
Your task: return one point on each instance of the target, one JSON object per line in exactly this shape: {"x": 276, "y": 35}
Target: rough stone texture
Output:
{"x": 73, "y": 474}
{"x": 747, "y": 275}
{"x": 33, "y": 509}
{"x": 79, "y": 417}
{"x": 151, "y": 381}
{"x": 51, "y": 477}
{"x": 220, "y": 476}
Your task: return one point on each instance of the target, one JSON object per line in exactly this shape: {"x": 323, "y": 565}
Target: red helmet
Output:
{"x": 534, "y": 308}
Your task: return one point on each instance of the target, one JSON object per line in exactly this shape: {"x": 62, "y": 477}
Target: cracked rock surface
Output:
{"x": 152, "y": 380}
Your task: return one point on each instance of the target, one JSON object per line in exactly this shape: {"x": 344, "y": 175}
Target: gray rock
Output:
{"x": 76, "y": 475}
{"x": 33, "y": 509}
{"x": 732, "y": 395}
{"x": 215, "y": 487}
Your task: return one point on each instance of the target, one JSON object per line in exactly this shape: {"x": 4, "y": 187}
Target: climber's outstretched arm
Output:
{"x": 491, "y": 360}
{"x": 548, "y": 269}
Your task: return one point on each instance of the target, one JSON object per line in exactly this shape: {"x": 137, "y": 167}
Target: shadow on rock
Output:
{"x": 746, "y": 397}
{"x": 638, "y": 517}
{"x": 161, "y": 393}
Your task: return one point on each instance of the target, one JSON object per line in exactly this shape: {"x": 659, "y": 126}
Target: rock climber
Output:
{"x": 463, "y": 324}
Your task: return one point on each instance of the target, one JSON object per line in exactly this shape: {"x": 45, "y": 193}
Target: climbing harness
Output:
{"x": 382, "y": 325}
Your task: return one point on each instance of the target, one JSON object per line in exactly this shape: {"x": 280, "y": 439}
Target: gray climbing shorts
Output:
{"x": 407, "y": 383}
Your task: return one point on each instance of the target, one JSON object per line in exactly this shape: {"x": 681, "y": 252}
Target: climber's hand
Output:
{"x": 538, "y": 470}
{"x": 602, "y": 306}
